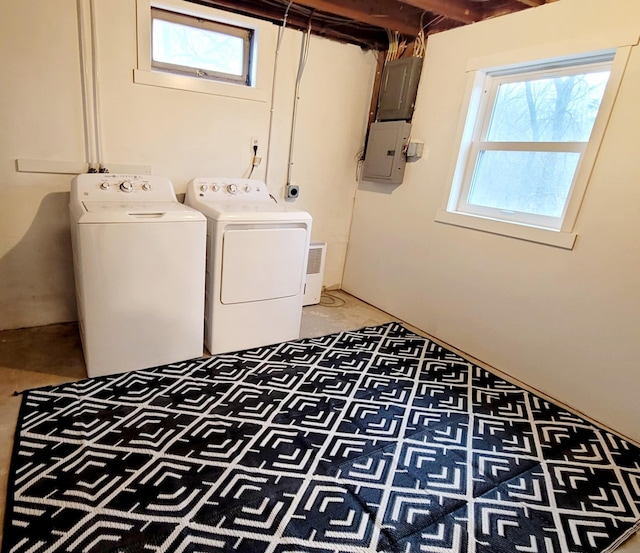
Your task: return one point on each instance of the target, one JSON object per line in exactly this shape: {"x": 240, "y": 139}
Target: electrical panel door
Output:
{"x": 398, "y": 89}
{"x": 385, "y": 158}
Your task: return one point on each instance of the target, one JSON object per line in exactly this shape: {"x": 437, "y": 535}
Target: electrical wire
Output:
{"x": 393, "y": 45}
{"x": 402, "y": 46}
{"x": 420, "y": 43}
{"x": 330, "y": 300}
{"x": 284, "y": 25}
{"x": 304, "y": 55}
{"x": 397, "y": 47}
{"x": 253, "y": 161}
{"x": 324, "y": 16}
{"x": 273, "y": 90}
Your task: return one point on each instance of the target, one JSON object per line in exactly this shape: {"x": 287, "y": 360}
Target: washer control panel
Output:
{"x": 129, "y": 183}
{"x": 107, "y": 186}
{"x": 220, "y": 189}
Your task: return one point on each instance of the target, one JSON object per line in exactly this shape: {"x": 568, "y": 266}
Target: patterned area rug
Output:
{"x": 372, "y": 440}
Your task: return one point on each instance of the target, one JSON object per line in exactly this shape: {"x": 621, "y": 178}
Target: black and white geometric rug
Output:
{"x": 364, "y": 441}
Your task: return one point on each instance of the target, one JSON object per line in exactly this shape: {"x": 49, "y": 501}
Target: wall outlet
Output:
{"x": 254, "y": 142}
{"x": 291, "y": 192}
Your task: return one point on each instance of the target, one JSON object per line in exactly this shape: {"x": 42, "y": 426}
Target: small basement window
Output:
{"x": 200, "y": 48}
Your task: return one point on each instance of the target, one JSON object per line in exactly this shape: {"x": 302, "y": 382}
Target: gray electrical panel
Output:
{"x": 398, "y": 89}
{"x": 385, "y": 159}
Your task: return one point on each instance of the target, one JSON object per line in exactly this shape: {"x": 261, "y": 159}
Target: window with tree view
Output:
{"x": 531, "y": 131}
{"x": 200, "y": 47}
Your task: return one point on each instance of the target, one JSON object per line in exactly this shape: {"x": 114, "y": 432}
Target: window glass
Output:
{"x": 553, "y": 109}
{"x": 183, "y": 45}
{"x": 199, "y": 47}
{"x": 527, "y": 182}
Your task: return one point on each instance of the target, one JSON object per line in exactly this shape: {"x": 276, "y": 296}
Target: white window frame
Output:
{"x": 480, "y": 142}
{"x": 262, "y": 54}
{"x": 479, "y": 99}
{"x": 243, "y": 33}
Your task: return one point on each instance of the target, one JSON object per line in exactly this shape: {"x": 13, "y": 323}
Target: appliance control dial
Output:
{"x": 104, "y": 185}
{"x": 232, "y": 188}
{"x": 215, "y": 187}
{"x": 146, "y": 186}
{"x": 126, "y": 186}
{"x": 203, "y": 187}
{"x": 247, "y": 188}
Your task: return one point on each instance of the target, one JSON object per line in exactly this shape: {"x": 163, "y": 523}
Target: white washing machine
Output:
{"x": 256, "y": 263}
{"x": 139, "y": 262}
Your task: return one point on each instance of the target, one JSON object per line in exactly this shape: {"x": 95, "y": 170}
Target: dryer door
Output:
{"x": 262, "y": 263}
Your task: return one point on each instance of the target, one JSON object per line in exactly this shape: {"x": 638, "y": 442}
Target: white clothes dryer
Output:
{"x": 139, "y": 262}
{"x": 256, "y": 264}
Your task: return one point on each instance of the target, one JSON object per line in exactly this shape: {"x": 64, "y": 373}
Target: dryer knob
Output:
{"x": 104, "y": 185}
{"x": 215, "y": 187}
{"x": 248, "y": 188}
{"x": 203, "y": 187}
{"x": 126, "y": 186}
{"x": 232, "y": 188}
{"x": 146, "y": 186}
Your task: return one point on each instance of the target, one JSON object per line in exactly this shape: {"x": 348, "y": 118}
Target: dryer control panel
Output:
{"x": 218, "y": 189}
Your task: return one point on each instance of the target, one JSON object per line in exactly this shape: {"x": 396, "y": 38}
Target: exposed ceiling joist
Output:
{"x": 388, "y": 14}
{"x": 533, "y": 3}
{"x": 366, "y": 22}
{"x": 495, "y": 8}
{"x": 462, "y": 11}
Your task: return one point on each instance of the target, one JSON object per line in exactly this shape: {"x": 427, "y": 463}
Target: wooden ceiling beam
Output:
{"x": 363, "y": 21}
{"x": 388, "y": 14}
{"x": 463, "y": 11}
{"x": 366, "y": 36}
{"x": 533, "y": 3}
{"x": 504, "y": 8}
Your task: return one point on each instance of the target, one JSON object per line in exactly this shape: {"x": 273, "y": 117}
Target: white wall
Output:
{"x": 180, "y": 134}
{"x": 41, "y": 118}
{"x": 566, "y": 322}
{"x": 332, "y": 116}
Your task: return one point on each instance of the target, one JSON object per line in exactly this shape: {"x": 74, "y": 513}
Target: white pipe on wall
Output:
{"x": 304, "y": 54}
{"x": 96, "y": 82}
{"x": 273, "y": 88}
{"x": 88, "y": 86}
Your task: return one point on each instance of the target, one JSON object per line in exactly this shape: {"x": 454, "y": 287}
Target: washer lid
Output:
{"x": 136, "y": 212}
{"x": 252, "y": 211}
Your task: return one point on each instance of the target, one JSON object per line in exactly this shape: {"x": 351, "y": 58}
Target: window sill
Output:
{"x": 565, "y": 240}
{"x": 181, "y": 82}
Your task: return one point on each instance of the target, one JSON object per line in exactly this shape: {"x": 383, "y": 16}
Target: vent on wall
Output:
{"x": 315, "y": 273}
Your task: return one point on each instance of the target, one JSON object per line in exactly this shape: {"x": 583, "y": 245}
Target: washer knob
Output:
{"x": 203, "y": 188}
{"x": 104, "y": 185}
{"x": 146, "y": 186}
{"x": 215, "y": 187}
{"x": 232, "y": 188}
{"x": 248, "y": 188}
{"x": 126, "y": 186}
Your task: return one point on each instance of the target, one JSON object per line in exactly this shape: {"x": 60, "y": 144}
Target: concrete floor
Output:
{"x": 49, "y": 355}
